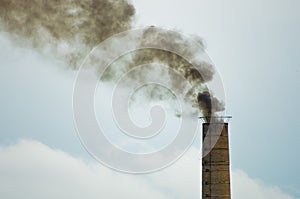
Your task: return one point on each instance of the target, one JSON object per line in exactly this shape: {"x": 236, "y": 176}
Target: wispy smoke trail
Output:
{"x": 71, "y": 28}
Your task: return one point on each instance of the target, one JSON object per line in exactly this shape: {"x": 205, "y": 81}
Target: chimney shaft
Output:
{"x": 215, "y": 165}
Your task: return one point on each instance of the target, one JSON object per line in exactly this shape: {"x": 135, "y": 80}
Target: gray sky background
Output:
{"x": 255, "y": 46}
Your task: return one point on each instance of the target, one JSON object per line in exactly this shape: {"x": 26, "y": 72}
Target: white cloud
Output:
{"x": 30, "y": 169}
{"x": 247, "y": 188}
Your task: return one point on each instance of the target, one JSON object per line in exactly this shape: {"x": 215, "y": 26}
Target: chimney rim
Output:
{"x": 215, "y": 119}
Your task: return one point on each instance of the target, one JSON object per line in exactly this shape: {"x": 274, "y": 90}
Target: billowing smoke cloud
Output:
{"x": 69, "y": 29}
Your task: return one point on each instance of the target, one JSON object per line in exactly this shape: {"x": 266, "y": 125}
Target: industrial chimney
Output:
{"x": 215, "y": 161}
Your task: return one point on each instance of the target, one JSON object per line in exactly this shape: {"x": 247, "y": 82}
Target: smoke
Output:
{"x": 196, "y": 73}
{"x": 69, "y": 29}
{"x": 209, "y": 104}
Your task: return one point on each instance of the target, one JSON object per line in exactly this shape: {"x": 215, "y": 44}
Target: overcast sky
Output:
{"x": 255, "y": 47}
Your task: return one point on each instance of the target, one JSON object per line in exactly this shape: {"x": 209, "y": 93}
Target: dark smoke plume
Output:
{"x": 197, "y": 73}
{"x": 71, "y": 28}
{"x": 209, "y": 104}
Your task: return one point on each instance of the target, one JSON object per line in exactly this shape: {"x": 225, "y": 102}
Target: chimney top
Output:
{"x": 215, "y": 119}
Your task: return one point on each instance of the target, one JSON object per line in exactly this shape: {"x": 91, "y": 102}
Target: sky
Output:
{"x": 255, "y": 48}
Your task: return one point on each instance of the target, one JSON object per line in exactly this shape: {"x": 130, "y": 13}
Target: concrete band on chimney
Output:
{"x": 216, "y": 164}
